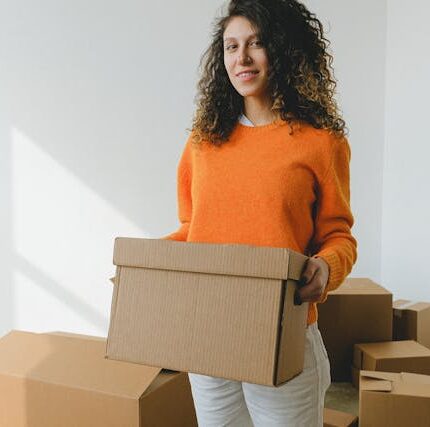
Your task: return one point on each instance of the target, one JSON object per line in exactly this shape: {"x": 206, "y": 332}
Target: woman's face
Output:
{"x": 243, "y": 51}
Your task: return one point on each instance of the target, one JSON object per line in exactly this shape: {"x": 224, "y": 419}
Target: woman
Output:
{"x": 267, "y": 163}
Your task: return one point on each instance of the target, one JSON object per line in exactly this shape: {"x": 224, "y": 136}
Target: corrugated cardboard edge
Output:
{"x": 296, "y": 320}
{"x": 290, "y": 325}
{"x": 204, "y": 257}
{"x": 115, "y": 292}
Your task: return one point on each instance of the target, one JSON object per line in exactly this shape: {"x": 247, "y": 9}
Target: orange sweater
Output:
{"x": 265, "y": 187}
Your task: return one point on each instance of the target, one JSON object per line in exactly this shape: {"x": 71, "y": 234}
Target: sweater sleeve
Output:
{"x": 184, "y": 201}
{"x": 333, "y": 240}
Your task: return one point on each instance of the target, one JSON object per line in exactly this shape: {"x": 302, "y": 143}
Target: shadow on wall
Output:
{"x": 85, "y": 128}
{"x": 6, "y": 295}
{"x": 61, "y": 294}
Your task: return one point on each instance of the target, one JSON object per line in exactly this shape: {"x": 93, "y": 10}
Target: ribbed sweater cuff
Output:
{"x": 336, "y": 273}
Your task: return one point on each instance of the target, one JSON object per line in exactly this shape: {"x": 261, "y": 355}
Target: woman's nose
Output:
{"x": 244, "y": 58}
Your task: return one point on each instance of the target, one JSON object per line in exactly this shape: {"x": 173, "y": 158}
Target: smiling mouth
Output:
{"x": 247, "y": 76}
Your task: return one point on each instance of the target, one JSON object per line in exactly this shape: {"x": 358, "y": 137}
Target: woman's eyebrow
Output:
{"x": 233, "y": 38}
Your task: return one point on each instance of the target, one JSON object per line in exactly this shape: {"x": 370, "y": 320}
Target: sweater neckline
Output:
{"x": 261, "y": 128}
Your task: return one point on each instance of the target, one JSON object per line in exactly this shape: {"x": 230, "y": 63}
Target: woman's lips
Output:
{"x": 247, "y": 76}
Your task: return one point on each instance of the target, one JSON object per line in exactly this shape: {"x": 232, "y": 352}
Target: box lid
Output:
{"x": 72, "y": 361}
{"x": 403, "y": 304}
{"x": 403, "y": 383}
{"x": 394, "y": 349}
{"x": 359, "y": 286}
{"x": 230, "y": 258}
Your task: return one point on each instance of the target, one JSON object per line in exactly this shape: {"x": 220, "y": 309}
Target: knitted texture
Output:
{"x": 265, "y": 187}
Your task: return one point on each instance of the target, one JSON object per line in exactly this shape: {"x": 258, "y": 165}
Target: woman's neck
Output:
{"x": 258, "y": 111}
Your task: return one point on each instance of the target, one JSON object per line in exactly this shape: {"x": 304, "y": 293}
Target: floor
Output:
{"x": 343, "y": 397}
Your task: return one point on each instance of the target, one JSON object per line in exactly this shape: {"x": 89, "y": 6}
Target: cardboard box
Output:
{"x": 333, "y": 418}
{"x": 225, "y": 310}
{"x": 394, "y": 399}
{"x": 51, "y": 380}
{"x": 358, "y": 311}
{"x": 393, "y": 356}
{"x": 411, "y": 321}
{"x": 355, "y": 376}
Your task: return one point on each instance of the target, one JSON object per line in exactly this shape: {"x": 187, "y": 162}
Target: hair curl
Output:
{"x": 301, "y": 84}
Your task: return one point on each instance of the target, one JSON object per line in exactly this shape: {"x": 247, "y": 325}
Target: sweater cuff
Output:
{"x": 335, "y": 276}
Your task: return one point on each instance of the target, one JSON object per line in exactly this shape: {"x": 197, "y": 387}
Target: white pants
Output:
{"x": 297, "y": 403}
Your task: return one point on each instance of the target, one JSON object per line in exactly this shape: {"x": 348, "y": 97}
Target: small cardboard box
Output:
{"x": 392, "y": 356}
{"x": 394, "y": 399}
{"x": 225, "y": 310}
{"x": 358, "y": 311}
{"x": 411, "y": 321}
{"x": 333, "y": 418}
{"x": 51, "y": 380}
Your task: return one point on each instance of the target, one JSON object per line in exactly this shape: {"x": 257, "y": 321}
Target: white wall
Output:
{"x": 406, "y": 201}
{"x": 358, "y": 39}
{"x": 95, "y": 100}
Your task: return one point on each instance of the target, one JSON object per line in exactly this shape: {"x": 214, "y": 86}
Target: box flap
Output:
{"x": 377, "y": 381}
{"x": 408, "y": 377}
{"x": 73, "y": 362}
{"x": 226, "y": 259}
{"x": 404, "y": 383}
{"x": 334, "y": 418}
{"x": 359, "y": 286}
{"x": 413, "y": 385}
{"x": 72, "y": 334}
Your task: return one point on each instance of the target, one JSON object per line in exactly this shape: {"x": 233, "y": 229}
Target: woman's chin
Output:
{"x": 249, "y": 92}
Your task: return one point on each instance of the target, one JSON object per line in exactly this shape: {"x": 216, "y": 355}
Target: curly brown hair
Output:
{"x": 301, "y": 84}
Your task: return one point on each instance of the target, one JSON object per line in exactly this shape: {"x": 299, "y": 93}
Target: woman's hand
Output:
{"x": 313, "y": 280}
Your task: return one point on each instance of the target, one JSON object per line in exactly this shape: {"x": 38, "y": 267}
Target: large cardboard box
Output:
{"x": 394, "y": 399}
{"x": 392, "y": 356}
{"x": 358, "y": 311}
{"x": 411, "y": 321}
{"x": 225, "y": 310}
{"x": 333, "y": 418}
{"x": 52, "y": 380}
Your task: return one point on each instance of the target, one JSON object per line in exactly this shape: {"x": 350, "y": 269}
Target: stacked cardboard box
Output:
{"x": 394, "y": 399}
{"x": 411, "y": 321}
{"x": 51, "y": 380}
{"x": 359, "y": 311}
{"x": 392, "y": 356}
{"x": 225, "y": 310}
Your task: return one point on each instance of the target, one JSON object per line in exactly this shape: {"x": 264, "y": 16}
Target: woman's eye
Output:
{"x": 256, "y": 42}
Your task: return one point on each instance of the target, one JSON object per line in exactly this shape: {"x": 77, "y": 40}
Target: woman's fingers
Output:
{"x": 313, "y": 280}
